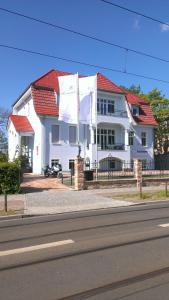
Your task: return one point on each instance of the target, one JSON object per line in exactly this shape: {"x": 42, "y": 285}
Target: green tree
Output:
{"x": 160, "y": 107}
{"x": 135, "y": 89}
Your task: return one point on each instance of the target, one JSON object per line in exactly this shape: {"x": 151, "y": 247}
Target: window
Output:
{"x": 105, "y": 107}
{"x": 135, "y": 110}
{"x": 105, "y": 138}
{"x": 110, "y": 107}
{"x": 54, "y": 162}
{"x": 112, "y": 164}
{"x": 131, "y": 138}
{"x": 55, "y": 133}
{"x": 143, "y": 139}
{"x": 71, "y": 164}
{"x": 72, "y": 134}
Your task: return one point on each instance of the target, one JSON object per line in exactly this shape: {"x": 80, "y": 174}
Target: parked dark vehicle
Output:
{"x": 55, "y": 171}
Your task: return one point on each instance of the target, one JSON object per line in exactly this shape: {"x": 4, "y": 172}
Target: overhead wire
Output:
{"x": 135, "y": 12}
{"x": 81, "y": 63}
{"x": 85, "y": 35}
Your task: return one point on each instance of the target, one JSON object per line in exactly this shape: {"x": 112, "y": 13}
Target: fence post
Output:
{"x": 166, "y": 189}
{"x": 5, "y": 202}
{"x": 79, "y": 174}
{"x": 138, "y": 174}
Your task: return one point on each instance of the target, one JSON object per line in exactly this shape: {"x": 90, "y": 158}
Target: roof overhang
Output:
{"x": 22, "y": 97}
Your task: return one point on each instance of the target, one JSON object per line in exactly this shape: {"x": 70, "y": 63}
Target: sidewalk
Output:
{"x": 48, "y": 202}
{"x": 59, "y": 201}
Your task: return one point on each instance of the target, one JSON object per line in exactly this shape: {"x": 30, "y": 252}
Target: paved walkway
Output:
{"x": 59, "y": 201}
{"x": 35, "y": 183}
{"x": 15, "y": 202}
{"x": 67, "y": 201}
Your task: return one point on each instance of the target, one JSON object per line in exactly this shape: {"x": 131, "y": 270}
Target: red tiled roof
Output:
{"x": 50, "y": 79}
{"x": 45, "y": 88}
{"x": 44, "y": 101}
{"x": 105, "y": 84}
{"x": 146, "y": 115}
{"x": 21, "y": 123}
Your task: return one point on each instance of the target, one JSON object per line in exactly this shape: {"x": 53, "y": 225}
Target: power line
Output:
{"x": 84, "y": 35}
{"x": 134, "y": 12}
{"x": 81, "y": 63}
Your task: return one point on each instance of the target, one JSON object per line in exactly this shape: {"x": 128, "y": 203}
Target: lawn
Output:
{"x": 135, "y": 196}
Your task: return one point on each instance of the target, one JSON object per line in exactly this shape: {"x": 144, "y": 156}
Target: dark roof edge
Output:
{"x": 120, "y": 93}
{"x": 40, "y": 87}
{"x": 25, "y": 90}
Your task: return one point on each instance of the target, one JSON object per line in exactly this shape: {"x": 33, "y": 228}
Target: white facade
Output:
{"x": 114, "y": 123}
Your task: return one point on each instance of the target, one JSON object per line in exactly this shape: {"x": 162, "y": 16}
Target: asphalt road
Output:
{"x": 105, "y": 254}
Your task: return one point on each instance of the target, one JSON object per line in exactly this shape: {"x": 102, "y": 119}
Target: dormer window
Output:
{"x": 135, "y": 110}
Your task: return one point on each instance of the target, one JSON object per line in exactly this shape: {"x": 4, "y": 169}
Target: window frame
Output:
{"x": 74, "y": 142}
{"x": 144, "y": 138}
{"x": 54, "y": 161}
{"x": 104, "y": 134}
{"x": 103, "y": 106}
{"x": 58, "y": 126}
{"x": 135, "y": 107}
{"x": 131, "y": 138}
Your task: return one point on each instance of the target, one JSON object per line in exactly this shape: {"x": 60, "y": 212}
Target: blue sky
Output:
{"x": 92, "y": 17}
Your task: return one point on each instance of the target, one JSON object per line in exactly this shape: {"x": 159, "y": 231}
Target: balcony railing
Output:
{"x": 112, "y": 147}
{"x": 117, "y": 113}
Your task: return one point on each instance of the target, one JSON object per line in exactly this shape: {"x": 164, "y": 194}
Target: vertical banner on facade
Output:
{"x": 68, "y": 101}
{"x": 87, "y": 98}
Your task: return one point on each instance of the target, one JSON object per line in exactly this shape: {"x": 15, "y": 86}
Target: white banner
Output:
{"x": 68, "y": 101}
{"x": 88, "y": 99}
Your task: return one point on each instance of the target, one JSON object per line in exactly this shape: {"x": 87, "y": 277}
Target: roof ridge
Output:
{"x": 33, "y": 82}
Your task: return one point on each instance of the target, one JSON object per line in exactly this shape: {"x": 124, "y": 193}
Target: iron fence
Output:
{"x": 153, "y": 169}
{"x": 109, "y": 169}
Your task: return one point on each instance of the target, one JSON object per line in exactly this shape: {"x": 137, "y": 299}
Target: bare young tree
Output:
{"x": 4, "y": 113}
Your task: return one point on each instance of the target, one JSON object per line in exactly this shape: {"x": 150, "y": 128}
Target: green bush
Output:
{"x": 3, "y": 157}
{"x": 9, "y": 178}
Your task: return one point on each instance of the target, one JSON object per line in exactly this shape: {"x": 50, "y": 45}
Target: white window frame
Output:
{"x": 131, "y": 138}
{"x": 103, "y": 134}
{"x": 102, "y": 106}
{"x": 144, "y": 137}
{"x": 135, "y": 107}
{"x": 73, "y": 143}
{"x": 58, "y": 126}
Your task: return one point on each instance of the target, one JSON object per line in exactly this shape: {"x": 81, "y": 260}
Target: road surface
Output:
{"x": 107, "y": 254}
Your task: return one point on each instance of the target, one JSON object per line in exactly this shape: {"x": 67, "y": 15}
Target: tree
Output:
{"x": 160, "y": 108}
{"x": 135, "y": 89}
{"x": 4, "y": 113}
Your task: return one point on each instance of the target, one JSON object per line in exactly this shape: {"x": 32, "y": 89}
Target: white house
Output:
{"x": 125, "y": 125}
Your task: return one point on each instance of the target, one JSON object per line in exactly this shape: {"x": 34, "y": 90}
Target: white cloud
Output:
{"x": 136, "y": 24}
{"x": 164, "y": 27}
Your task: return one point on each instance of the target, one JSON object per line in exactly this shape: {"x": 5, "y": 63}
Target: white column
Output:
{"x": 126, "y": 139}
{"x": 91, "y": 135}
{"x": 43, "y": 143}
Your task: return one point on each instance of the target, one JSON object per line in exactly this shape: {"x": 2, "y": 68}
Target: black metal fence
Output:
{"x": 155, "y": 169}
{"x": 109, "y": 169}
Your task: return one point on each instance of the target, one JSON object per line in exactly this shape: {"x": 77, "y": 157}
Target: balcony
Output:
{"x": 111, "y": 147}
{"x": 118, "y": 117}
{"x": 117, "y": 113}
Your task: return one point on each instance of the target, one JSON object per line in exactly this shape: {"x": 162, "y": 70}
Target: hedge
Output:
{"x": 9, "y": 178}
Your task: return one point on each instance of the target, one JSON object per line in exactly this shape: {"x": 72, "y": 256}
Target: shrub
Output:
{"x": 9, "y": 178}
{"x": 3, "y": 157}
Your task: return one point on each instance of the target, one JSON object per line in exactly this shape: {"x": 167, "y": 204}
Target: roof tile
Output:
{"x": 21, "y": 123}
